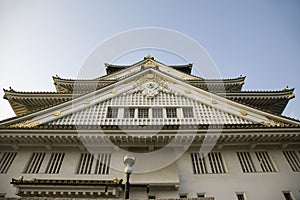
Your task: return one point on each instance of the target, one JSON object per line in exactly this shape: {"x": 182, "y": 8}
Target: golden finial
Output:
{"x": 148, "y": 56}
{"x": 115, "y": 180}
{"x": 286, "y": 88}
{"x": 21, "y": 178}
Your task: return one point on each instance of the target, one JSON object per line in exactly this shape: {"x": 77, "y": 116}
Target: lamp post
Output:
{"x": 129, "y": 161}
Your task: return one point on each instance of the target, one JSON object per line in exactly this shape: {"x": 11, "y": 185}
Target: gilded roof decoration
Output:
{"x": 150, "y": 85}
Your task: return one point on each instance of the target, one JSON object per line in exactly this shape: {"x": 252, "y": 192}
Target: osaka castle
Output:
{"x": 150, "y": 131}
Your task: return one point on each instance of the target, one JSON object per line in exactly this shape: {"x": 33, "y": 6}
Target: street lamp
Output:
{"x": 129, "y": 161}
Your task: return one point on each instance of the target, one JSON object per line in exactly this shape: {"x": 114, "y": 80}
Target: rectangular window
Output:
{"x": 35, "y": 163}
{"x": 265, "y": 161}
{"x": 240, "y": 196}
{"x": 129, "y": 112}
{"x": 246, "y": 162}
{"x": 288, "y": 196}
{"x": 292, "y": 159}
{"x": 201, "y": 195}
{"x": 213, "y": 159}
{"x": 6, "y": 161}
{"x": 188, "y": 112}
{"x": 143, "y": 112}
{"x": 112, "y": 112}
{"x": 55, "y": 163}
{"x": 157, "y": 113}
{"x": 171, "y": 112}
{"x": 86, "y": 162}
{"x": 216, "y": 162}
{"x": 98, "y": 163}
{"x": 183, "y": 196}
{"x": 151, "y": 197}
{"x": 199, "y": 165}
{"x": 103, "y": 163}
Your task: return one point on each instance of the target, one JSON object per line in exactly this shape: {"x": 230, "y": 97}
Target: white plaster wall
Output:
{"x": 260, "y": 185}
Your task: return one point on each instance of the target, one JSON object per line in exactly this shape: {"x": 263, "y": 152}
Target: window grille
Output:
{"x": 86, "y": 162}
{"x": 35, "y": 163}
{"x": 213, "y": 159}
{"x": 240, "y": 196}
{"x": 199, "y": 165}
{"x": 183, "y": 196}
{"x": 265, "y": 161}
{"x": 201, "y": 195}
{"x": 293, "y": 160}
{"x": 151, "y": 197}
{"x": 6, "y": 161}
{"x": 143, "y": 112}
{"x": 103, "y": 163}
{"x": 129, "y": 112}
{"x": 216, "y": 162}
{"x": 112, "y": 112}
{"x": 246, "y": 162}
{"x": 55, "y": 163}
{"x": 188, "y": 112}
{"x": 98, "y": 163}
{"x": 157, "y": 112}
{"x": 171, "y": 112}
{"x": 288, "y": 196}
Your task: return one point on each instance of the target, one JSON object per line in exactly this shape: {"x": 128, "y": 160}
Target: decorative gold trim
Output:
{"x": 150, "y": 76}
{"x": 148, "y": 56}
{"x": 243, "y": 112}
{"x": 57, "y": 113}
{"x": 291, "y": 96}
{"x": 213, "y": 101}
{"x": 87, "y": 102}
{"x": 150, "y": 63}
{"x": 113, "y": 91}
{"x": 187, "y": 91}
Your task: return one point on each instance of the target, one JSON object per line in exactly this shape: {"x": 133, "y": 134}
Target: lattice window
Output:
{"x": 103, "y": 163}
{"x": 35, "y": 163}
{"x": 171, "y": 112}
{"x": 98, "y": 163}
{"x": 265, "y": 161}
{"x": 293, "y": 160}
{"x": 143, "y": 112}
{"x": 188, "y": 112}
{"x": 55, "y": 163}
{"x": 213, "y": 159}
{"x": 112, "y": 112}
{"x": 157, "y": 113}
{"x": 6, "y": 160}
{"x": 246, "y": 162}
{"x": 129, "y": 112}
{"x": 98, "y": 114}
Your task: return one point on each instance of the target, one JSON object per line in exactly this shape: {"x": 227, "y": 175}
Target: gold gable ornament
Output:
{"x": 57, "y": 113}
{"x": 243, "y": 112}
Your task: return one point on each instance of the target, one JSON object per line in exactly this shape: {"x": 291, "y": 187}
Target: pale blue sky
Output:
{"x": 259, "y": 39}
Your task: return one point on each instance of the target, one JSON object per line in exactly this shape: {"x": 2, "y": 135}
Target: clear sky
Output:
{"x": 256, "y": 38}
